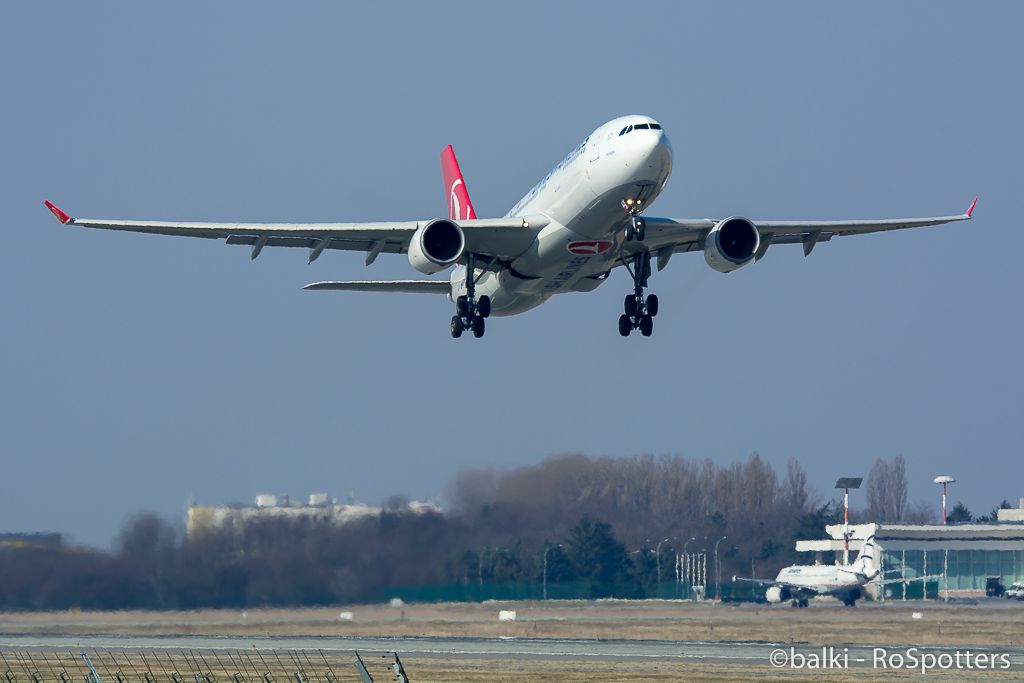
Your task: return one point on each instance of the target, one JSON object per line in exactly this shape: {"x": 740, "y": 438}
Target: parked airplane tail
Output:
{"x": 459, "y": 206}
{"x": 867, "y": 559}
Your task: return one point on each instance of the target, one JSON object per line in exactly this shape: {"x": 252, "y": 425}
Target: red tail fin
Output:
{"x": 459, "y": 206}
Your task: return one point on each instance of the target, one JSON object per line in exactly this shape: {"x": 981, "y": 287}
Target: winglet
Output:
{"x": 971, "y": 210}
{"x": 61, "y": 216}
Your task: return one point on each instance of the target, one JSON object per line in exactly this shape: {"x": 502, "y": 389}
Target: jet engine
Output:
{"x": 436, "y": 245}
{"x": 731, "y": 244}
{"x": 776, "y": 594}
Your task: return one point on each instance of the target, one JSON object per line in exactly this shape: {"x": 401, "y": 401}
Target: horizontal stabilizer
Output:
{"x": 402, "y": 286}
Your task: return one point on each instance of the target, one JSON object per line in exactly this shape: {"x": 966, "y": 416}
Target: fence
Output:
{"x": 188, "y": 666}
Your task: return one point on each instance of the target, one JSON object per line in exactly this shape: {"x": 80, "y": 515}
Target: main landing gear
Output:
{"x": 470, "y": 311}
{"x": 639, "y": 312}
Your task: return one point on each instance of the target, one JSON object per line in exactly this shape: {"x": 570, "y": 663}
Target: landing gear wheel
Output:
{"x": 639, "y": 311}
{"x": 469, "y": 310}
{"x": 652, "y": 305}
{"x": 639, "y": 228}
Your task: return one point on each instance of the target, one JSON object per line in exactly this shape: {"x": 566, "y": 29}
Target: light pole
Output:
{"x": 718, "y": 571}
{"x": 657, "y": 551}
{"x": 686, "y": 562}
{"x": 945, "y": 480}
{"x": 847, "y": 483}
{"x": 547, "y": 549}
{"x": 704, "y": 572}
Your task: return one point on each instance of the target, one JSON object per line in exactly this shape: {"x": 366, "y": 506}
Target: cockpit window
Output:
{"x": 640, "y": 126}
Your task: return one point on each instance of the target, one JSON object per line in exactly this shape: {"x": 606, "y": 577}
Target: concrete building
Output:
{"x": 269, "y": 506}
{"x": 34, "y": 541}
{"x": 966, "y": 554}
{"x": 1012, "y": 514}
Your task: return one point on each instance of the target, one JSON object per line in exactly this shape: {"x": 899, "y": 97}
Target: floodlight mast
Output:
{"x": 847, "y": 483}
{"x": 945, "y": 480}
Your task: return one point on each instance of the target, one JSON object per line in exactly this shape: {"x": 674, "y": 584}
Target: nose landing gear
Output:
{"x": 637, "y": 227}
{"x": 639, "y": 312}
{"x": 470, "y": 311}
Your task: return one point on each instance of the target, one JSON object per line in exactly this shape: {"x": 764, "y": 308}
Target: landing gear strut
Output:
{"x": 639, "y": 312}
{"x": 469, "y": 310}
{"x": 637, "y": 227}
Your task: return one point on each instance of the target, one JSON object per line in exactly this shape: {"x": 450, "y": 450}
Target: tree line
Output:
{"x": 598, "y": 519}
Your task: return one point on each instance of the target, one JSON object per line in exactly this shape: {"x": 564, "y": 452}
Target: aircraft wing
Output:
{"x": 886, "y": 582}
{"x": 399, "y": 286}
{"x": 500, "y": 239}
{"x": 774, "y": 582}
{"x": 759, "y": 582}
{"x": 667, "y": 236}
{"x": 795, "y": 590}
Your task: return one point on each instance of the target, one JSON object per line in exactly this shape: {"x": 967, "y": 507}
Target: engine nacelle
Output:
{"x": 776, "y": 594}
{"x": 731, "y": 244}
{"x": 436, "y": 245}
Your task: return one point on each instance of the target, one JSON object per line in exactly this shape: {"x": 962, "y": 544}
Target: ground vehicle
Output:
{"x": 1015, "y": 591}
{"x": 993, "y": 587}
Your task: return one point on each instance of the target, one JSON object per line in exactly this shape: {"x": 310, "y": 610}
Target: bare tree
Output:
{"x": 878, "y": 491}
{"x": 898, "y": 488}
{"x": 887, "y": 490}
{"x": 796, "y": 485}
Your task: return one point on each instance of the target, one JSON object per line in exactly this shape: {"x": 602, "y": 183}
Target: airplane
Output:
{"x": 798, "y": 583}
{"x": 581, "y": 221}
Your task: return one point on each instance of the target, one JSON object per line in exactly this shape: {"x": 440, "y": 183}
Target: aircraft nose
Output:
{"x": 656, "y": 149}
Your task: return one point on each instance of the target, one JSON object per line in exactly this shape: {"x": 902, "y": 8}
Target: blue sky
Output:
{"x": 139, "y": 371}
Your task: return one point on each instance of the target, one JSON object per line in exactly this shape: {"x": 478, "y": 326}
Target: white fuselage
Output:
{"x": 821, "y": 578}
{"x": 582, "y": 200}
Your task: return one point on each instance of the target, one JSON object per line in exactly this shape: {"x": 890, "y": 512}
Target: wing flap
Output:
{"x": 399, "y": 286}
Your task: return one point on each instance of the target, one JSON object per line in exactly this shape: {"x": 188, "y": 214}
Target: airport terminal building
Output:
{"x": 965, "y": 554}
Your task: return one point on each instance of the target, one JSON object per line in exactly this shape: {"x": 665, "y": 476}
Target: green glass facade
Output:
{"x": 965, "y": 569}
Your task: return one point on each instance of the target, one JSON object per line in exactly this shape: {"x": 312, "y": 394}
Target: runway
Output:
{"x": 505, "y": 648}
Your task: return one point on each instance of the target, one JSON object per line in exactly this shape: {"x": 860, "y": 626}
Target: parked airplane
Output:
{"x": 798, "y": 583}
{"x": 582, "y": 220}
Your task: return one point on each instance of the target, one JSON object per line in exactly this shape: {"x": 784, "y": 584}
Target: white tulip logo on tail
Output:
{"x": 455, "y": 207}
{"x": 459, "y": 205}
